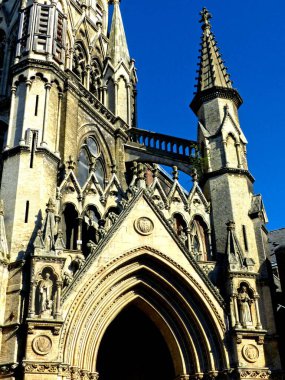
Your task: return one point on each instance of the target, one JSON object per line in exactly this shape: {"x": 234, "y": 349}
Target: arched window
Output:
{"x": 90, "y": 159}
{"x": 70, "y": 226}
{"x": 79, "y": 61}
{"x": 232, "y": 157}
{"x": 200, "y": 239}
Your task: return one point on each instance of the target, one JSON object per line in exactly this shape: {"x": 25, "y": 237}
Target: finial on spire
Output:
{"x": 205, "y": 17}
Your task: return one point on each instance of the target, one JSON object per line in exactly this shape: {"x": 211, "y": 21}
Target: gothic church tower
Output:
{"x": 109, "y": 268}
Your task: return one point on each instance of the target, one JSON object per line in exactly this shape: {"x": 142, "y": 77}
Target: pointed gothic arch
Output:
{"x": 188, "y": 320}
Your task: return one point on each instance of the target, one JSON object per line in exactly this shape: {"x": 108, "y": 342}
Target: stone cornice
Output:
{"x": 225, "y": 170}
{"x": 213, "y": 93}
{"x": 31, "y": 63}
{"x": 19, "y": 149}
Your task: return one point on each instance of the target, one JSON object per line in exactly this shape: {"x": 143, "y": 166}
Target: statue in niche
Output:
{"x": 45, "y": 290}
{"x": 244, "y": 302}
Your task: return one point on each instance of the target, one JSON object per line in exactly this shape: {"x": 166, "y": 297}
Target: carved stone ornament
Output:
{"x": 250, "y": 353}
{"x": 42, "y": 344}
{"x": 144, "y": 226}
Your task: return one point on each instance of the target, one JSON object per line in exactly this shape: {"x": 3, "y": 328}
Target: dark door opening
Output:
{"x": 134, "y": 349}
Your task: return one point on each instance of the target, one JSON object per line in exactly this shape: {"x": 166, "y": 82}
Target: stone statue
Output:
{"x": 244, "y": 302}
{"x": 45, "y": 295}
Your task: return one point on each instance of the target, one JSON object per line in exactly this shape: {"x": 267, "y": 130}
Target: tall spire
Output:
{"x": 118, "y": 48}
{"x": 212, "y": 73}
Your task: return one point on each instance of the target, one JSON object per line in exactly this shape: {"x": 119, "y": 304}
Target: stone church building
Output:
{"x": 109, "y": 268}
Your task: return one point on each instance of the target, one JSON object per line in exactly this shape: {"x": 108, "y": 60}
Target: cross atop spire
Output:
{"x": 205, "y": 17}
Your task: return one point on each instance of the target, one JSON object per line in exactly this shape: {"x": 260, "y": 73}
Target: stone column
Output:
{"x": 11, "y": 119}
{"x": 237, "y": 325}
{"x": 33, "y": 299}
{"x": 46, "y": 113}
{"x": 51, "y": 37}
{"x": 26, "y": 113}
{"x": 258, "y": 321}
{"x": 188, "y": 232}
{"x": 129, "y": 116}
{"x": 104, "y": 95}
{"x": 79, "y": 235}
{"x": 237, "y": 145}
{"x": 58, "y": 298}
{"x": 60, "y": 95}
{"x": 87, "y": 70}
{"x": 116, "y": 85}
{"x": 71, "y": 52}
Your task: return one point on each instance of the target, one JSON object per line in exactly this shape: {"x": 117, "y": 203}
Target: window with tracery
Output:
{"x": 90, "y": 159}
{"x": 200, "y": 239}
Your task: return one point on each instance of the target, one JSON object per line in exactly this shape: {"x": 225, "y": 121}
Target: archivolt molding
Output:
{"x": 110, "y": 269}
{"x": 114, "y": 286}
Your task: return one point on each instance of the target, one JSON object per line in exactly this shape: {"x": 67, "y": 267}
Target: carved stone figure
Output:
{"x": 182, "y": 235}
{"x": 244, "y": 302}
{"x": 45, "y": 295}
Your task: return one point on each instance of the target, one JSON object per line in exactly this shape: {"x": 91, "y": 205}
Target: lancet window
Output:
{"x": 200, "y": 246}
{"x": 70, "y": 226}
{"x": 90, "y": 159}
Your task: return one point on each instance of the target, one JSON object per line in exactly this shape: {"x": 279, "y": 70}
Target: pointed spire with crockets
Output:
{"x": 212, "y": 71}
{"x": 118, "y": 48}
{"x": 213, "y": 77}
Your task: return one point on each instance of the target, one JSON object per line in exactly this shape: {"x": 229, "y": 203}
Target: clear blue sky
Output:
{"x": 164, "y": 36}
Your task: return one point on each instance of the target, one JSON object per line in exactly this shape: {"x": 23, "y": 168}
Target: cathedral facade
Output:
{"x": 109, "y": 268}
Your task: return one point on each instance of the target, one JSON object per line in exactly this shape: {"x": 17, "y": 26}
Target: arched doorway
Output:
{"x": 134, "y": 349}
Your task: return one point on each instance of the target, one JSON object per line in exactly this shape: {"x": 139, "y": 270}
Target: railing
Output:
{"x": 166, "y": 144}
